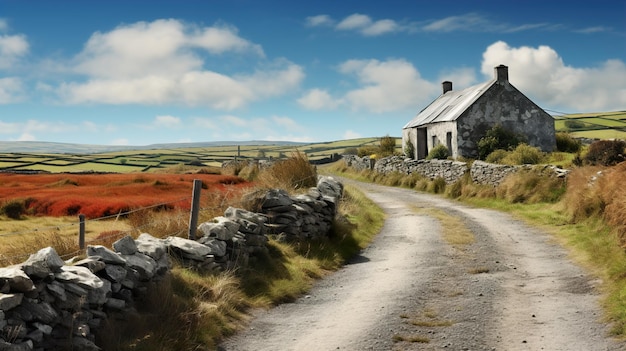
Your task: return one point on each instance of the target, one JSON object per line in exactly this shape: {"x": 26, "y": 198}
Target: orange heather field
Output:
{"x": 99, "y": 195}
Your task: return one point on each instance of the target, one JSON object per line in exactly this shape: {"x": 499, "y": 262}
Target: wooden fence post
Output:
{"x": 81, "y": 231}
{"x": 195, "y": 204}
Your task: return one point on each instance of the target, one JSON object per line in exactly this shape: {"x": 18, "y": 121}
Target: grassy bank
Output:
{"x": 194, "y": 311}
{"x": 586, "y": 213}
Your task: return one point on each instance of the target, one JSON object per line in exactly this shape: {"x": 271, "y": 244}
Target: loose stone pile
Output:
{"x": 49, "y": 304}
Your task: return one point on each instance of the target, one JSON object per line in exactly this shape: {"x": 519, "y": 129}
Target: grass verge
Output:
{"x": 585, "y": 214}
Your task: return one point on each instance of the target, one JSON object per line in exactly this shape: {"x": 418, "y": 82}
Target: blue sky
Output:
{"x": 143, "y": 72}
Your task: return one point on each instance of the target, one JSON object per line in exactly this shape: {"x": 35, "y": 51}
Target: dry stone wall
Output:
{"x": 49, "y": 304}
{"x": 481, "y": 172}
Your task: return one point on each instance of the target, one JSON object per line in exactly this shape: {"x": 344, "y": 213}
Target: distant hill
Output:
{"x": 68, "y": 148}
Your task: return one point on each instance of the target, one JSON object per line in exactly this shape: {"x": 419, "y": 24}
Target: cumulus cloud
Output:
{"x": 164, "y": 61}
{"x": 318, "y": 99}
{"x": 461, "y": 78}
{"x": 12, "y": 48}
{"x": 541, "y": 73}
{"x": 11, "y": 90}
{"x": 386, "y": 85}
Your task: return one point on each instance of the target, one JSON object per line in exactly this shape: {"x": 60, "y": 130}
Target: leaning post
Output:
{"x": 195, "y": 208}
{"x": 81, "y": 231}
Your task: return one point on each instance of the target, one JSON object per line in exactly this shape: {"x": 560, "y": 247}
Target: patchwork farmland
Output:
{"x": 601, "y": 125}
{"x": 128, "y": 161}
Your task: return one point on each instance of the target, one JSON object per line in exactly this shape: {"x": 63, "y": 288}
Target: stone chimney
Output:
{"x": 447, "y": 86}
{"x": 502, "y": 73}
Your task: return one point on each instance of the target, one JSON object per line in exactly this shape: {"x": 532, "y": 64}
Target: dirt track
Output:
{"x": 512, "y": 289}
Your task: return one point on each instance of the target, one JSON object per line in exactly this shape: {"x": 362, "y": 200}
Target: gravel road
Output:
{"x": 512, "y": 289}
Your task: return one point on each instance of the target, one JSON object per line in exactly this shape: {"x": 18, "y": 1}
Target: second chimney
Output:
{"x": 447, "y": 86}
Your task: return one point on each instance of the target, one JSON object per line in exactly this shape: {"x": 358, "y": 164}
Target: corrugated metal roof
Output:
{"x": 449, "y": 106}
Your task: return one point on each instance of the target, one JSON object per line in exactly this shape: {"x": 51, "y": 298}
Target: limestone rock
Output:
{"x": 17, "y": 280}
{"x": 125, "y": 246}
{"x": 105, "y": 254}
{"x": 42, "y": 263}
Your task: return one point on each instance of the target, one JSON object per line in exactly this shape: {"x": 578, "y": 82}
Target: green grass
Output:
{"x": 599, "y": 125}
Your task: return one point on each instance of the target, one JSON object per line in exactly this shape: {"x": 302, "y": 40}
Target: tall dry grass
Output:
{"x": 292, "y": 174}
{"x": 531, "y": 186}
{"x": 595, "y": 191}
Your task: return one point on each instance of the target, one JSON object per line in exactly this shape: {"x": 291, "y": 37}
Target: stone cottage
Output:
{"x": 459, "y": 119}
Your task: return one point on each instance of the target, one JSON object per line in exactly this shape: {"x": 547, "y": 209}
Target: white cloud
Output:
{"x": 161, "y": 62}
{"x": 350, "y": 134}
{"x": 542, "y": 75}
{"x": 319, "y": 20}
{"x": 596, "y": 29}
{"x": 358, "y": 22}
{"x": 12, "y": 48}
{"x": 11, "y": 90}
{"x": 119, "y": 142}
{"x": 167, "y": 121}
{"x": 218, "y": 40}
{"x": 381, "y": 27}
{"x": 4, "y": 25}
{"x": 26, "y": 137}
{"x": 287, "y": 123}
{"x": 390, "y": 85}
{"x": 354, "y": 21}
{"x": 473, "y": 22}
{"x": 318, "y": 99}
{"x": 460, "y": 77}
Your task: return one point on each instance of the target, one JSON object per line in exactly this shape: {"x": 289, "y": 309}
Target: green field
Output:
{"x": 600, "y": 125}
{"x": 149, "y": 160}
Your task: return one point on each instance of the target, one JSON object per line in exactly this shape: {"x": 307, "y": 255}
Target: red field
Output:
{"x": 99, "y": 195}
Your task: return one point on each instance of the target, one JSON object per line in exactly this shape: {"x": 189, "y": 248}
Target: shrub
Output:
{"x": 498, "y": 138}
{"x": 605, "y": 153}
{"x": 439, "y": 152}
{"x": 497, "y": 156}
{"x": 367, "y": 150}
{"x": 566, "y": 143}
{"x": 387, "y": 146}
{"x": 14, "y": 209}
{"x": 409, "y": 149}
{"x": 523, "y": 155}
{"x": 351, "y": 151}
